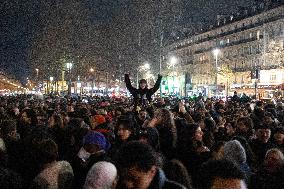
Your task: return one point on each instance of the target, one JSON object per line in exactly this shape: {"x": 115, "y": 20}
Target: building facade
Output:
{"x": 250, "y": 45}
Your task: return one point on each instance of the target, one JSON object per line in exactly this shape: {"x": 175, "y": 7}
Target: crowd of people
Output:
{"x": 65, "y": 143}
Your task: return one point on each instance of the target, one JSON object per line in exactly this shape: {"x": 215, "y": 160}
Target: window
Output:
{"x": 272, "y": 77}
{"x": 258, "y": 35}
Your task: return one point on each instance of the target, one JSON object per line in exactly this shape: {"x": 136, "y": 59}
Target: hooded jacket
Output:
{"x": 235, "y": 152}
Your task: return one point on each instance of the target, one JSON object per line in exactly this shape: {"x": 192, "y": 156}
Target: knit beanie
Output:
{"x": 235, "y": 152}
{"x": 99, "y": 119}
{"x": 102, "y": 175}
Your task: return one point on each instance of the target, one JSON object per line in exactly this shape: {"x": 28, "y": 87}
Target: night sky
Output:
{"x": 20, "y": 23}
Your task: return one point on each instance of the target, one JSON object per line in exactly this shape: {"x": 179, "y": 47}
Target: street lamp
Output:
{"x": 146, "y": 66}
{"x": 92, "y": 71}
{"x": 216, "y": 52}
{"x": 69, "y": 66}
{"x": 51, "y": 83}
{"x": 37, "y": 70}
{"x": 173, "y": 61}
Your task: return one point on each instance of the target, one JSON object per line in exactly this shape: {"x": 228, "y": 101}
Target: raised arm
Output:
{"x": 128, "y": 84}
{"x": 157, "y": 84}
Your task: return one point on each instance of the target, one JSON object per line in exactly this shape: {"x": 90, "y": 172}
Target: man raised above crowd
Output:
{"x": 143, "y": 95}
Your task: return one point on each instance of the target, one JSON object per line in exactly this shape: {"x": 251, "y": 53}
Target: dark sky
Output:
{"x": 19, "y": 23}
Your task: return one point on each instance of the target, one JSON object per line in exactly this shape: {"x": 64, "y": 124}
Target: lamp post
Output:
{"x": 216, "y": 53}
{"x": 92, "y": 85}
{"x": 69, "y": 67}
{"x": 51, "y": 83}
{"x": 172, "y": 63}
{"x": 37, "y": 70}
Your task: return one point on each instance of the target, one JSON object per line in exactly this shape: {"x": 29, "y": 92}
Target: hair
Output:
{"x": 218, "y": 169}
{"x": 167, "y": 122}
{"x": 58, "y": 121}
{"x": 7, "y": 126}
{"x": 177, "y": 172}
{"x": 136, "y": 154}
{"x": 47, "y": 151}
{"x": 31, "y": 113}
{"x": 277, "y": 151}
{"x": 127, "y": 124}
{"x": 247, "y": 122}
{"x": 216, "y": 147}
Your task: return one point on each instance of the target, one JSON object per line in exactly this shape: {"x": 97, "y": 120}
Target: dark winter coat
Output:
{"x": 141, "y": 96}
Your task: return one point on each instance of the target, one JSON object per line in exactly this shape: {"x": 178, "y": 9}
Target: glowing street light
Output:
{"x": 69, "y": 65}
{"x": 173, "y": 61}
{"x": 216, "y": 52}
{"x": 92, "y": 87}
{"x": 146, "y": 66}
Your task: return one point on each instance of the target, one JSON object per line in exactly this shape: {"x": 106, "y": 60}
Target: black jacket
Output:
{"x": 141, "y": 95}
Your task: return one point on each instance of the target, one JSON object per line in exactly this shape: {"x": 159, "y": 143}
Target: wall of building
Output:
{"x": 245, "y": 45}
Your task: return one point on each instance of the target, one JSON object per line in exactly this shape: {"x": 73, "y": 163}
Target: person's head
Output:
{"x": 9, "y": 130}
{"x": 177, "y": 172}
{"x": 55, "y": 121}
{"x": 29, "y": 117}
{"x": 263, "y": 133}
{"x": 196, "y": 133}
{"x": 143, "y": 84}
{"x": 137, "y": 163}
{"x": 268, "y": 118}
{"x": 94, "y": 142}
{"x": 244, "y": 126}
{"x": 47, "y": 151}
{"x": 230, "y": 128}
{"x": 102, "y": 175}
{"x": 125, "y": 129}
{"x": 142, "y": 115}
{"x": 235, "y": 93}
{"x": 279, "y": 135}
{"x": 235, "y": 152}
{"x": 164, "y": 117}
{"x": 219, "y": 174}
{"x": 218, "y": 150}
{"x": 274, "y": 160}
{"x": 150, "y": 136}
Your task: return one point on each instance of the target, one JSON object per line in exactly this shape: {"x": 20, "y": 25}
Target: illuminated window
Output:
{"x": 258, "y": 35}
{"x": 272, "y": 77}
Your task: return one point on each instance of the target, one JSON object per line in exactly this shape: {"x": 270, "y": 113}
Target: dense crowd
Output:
{"x": 66, "y": 143}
